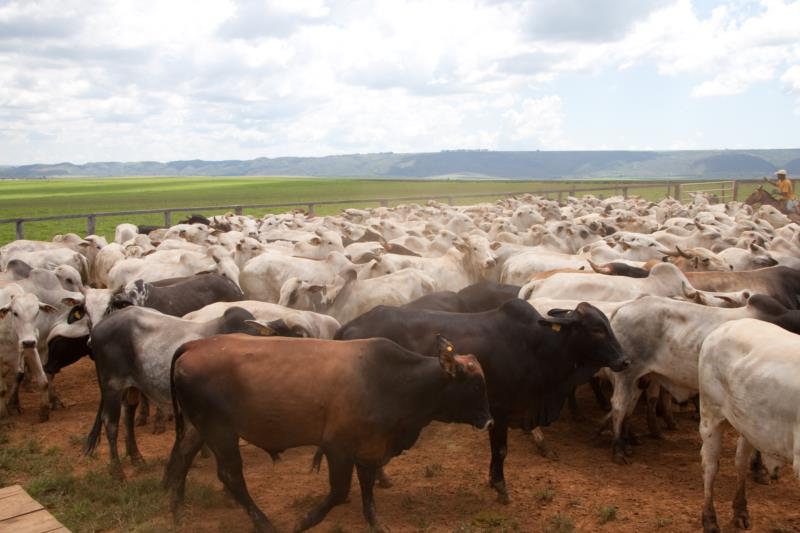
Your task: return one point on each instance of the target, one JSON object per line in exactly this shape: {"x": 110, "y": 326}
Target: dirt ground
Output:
{"x": 440, "y": 484}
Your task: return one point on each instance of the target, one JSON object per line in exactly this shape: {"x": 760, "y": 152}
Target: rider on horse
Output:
{"x": 786, "y": 190}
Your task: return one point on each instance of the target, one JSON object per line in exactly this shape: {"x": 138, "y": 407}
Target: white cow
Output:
{"x": 300, "y": 323}
{"x": 349, "y": 297}
{"x": 20, "y": 337}
{"x": 749, "y": 374}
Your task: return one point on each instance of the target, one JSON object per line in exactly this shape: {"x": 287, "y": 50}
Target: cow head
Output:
{"x": 22, "y": 310}
{"x": 464, "y": 398}
{"x": 278, "y": 328}
{"x": 589, "y": 335}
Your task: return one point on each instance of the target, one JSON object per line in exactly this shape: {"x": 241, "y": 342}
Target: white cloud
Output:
{"x": 137, "y": 79}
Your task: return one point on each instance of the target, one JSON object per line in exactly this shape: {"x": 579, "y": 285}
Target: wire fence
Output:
{"x": 677, "y": 189}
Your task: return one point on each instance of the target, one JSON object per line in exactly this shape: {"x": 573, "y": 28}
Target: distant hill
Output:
{"x": 716, "y": 164}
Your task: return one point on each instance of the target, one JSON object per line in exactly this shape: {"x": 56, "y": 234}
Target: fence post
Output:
{"x": 678, "y": 191}
{"x": 625, "y": 193}
{"x": 237, "y": 210}
{"x": 90, "y": 225}
{"x": 20, "y": 229}
{"x": 572, "y": 191}
{"x": 669, "y": 187}
{"x": 449, "y": 200}
{"x": 735, "y": 190}
{"x": 167, "y": 218}
{"x": 311, "y": 212}
{"x": 559, "y": 196}
{"x": 384, "y": 203}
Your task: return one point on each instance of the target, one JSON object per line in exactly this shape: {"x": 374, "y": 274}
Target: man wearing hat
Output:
{"x": 785, "y": 189}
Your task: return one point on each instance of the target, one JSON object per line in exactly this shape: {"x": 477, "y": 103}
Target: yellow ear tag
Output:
{"x": 449, "y": 348}
{"x": 556, "y": 327}
{"x": 265, "y": 331}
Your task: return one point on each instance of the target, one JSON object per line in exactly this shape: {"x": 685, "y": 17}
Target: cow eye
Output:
{"x": 15, "y": 314}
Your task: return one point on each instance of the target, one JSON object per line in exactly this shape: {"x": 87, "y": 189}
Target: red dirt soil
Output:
{"x": 440, "y": 484}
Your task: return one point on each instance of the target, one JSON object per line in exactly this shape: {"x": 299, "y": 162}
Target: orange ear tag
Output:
{"x": 449, "y": 348}
{"x": 556, "y": 327}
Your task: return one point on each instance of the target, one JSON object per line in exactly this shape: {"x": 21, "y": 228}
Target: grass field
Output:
{"x": 32, "y": 198}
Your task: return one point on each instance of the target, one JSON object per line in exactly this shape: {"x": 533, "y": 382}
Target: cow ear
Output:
{"x": 447, "y": 355}
{"x": 495, "y": 245}
{"x": 70, "y": 302}
{"x": 4, "y": 311}
{"x": 47, "y": 308}
{"x": 316, "y": 241}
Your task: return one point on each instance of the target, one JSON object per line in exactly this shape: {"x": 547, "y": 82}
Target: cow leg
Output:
{"x": 39, "y": 380}
{"x": 572, "y": 401}
{"x": 544, "y": 450}
{"x": 180, "y": 460}
{"x": 711, "y": 433}
{"x": 159, "y": 422}
{"x": 340, "y": 475}
{"x": 743, "y": 452}
{"x": 666, "y": 407}
{"x": 13, "y": 397}
{"x": 111, "y": 410}
{"x": 498, "y": 438}
{"x": 384, "y": 481}
{"x": 653, "y": 395}
{"x": 131, "y": 402}
{"x": 224, "y": 442}
{"x": 366, "y": 480}
{"x": 55, "y": 401}
{"x": 622, "y": 401}
{"x": 599, "y": 395}
{"x": 144, "y": 412}
{"x": 759, "y": 470}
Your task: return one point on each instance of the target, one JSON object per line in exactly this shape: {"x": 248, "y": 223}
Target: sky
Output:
{"x": 133, "y": 80}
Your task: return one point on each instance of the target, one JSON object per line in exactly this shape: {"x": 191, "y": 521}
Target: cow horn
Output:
{"x": 682, "y": 253}
{"x": 600, "y": 269}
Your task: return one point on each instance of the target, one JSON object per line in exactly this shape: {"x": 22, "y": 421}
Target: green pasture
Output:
{"x": 32, "y": 198}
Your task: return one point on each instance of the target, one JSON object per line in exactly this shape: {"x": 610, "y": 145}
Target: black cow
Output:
{"x": 481, "y": 296}
{"x": 531, "y": 362}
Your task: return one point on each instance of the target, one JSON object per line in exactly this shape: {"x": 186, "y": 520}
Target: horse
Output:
{"x": 762, "y": 197}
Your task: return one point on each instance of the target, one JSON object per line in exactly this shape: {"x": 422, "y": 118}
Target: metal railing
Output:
{"x": 672, "y": 188}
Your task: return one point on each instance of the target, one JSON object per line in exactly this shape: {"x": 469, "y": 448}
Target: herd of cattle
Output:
{"x": 353, "y": 332}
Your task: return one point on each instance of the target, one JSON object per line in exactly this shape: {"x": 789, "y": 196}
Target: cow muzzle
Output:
{"x": 27, "y": 344}
{"x": 620, "y": 364}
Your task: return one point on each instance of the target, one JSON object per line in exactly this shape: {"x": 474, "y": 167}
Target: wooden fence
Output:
{"x": 671, "y": 188}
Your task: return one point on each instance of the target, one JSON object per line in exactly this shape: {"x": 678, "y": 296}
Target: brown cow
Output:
{"x": 362, "y": 402}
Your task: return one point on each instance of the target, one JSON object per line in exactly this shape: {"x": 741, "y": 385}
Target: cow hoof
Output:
{"x": 710, "y": 523}
{"x": 137, "y": 459}
{"x": 761, "y": 477}
{"x": 657, "y": 435}
{"x": 56, "y": 404}
{"x": 634, "y": 440}
{"x": 44, "y": 413}
{"x": 619, "y": 458}
{"x": 384, "y": 481}
{"x": 742, "y": 520}
{"x": 547, "y": 453}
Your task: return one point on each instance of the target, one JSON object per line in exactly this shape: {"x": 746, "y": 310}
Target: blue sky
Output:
{"x": 130, "y": 80}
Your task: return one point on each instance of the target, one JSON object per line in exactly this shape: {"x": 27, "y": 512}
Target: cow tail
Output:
{"x": 94, "y": 434}
{"x": 176, "y": 407}
{"x": 316, "y": 462}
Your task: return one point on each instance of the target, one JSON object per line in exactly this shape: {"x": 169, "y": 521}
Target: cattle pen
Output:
{"x": 679, "y": 189}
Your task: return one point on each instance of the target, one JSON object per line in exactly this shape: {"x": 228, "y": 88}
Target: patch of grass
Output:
{"x": 606, "y": 514}
{"x": 305, "y": 502}
{"x": 30, "y": 198}
{"x": 546, "y": 495}
{"x": 433, "y": 470}
{"x": 93, "y": 500}
{"x": 493, "y": 521}
{"x": 663, "y": 522}
{"x": 560, "y": 523}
